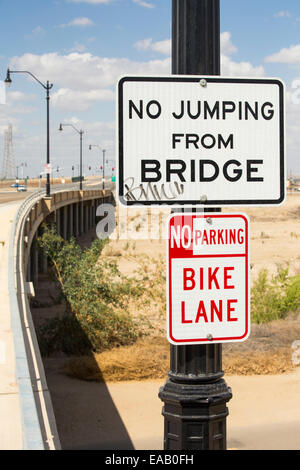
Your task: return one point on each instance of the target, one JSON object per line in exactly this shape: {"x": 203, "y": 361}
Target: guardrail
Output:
{"x": 27, "y": 355}
{"x": 38, "y": 421}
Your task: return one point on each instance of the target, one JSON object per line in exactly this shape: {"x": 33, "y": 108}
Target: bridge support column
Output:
{"x": 86, "y": 218}
{"x": 57, "y": 221}
{"x": 34, "y": 261}
{"x": 81, "y": 218}
{"x": 65, "y": 222}
{"x": 91, "y": 212}
{"x": 70, "y": 224}
{"x": 76, "y": 219}
{"x": 94, "y": 213}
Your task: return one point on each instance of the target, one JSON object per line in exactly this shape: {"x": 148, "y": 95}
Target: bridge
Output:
{"x": 27, "y": 417}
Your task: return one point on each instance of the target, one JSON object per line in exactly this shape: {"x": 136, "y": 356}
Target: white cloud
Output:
{"x": 144, "y": 4}
{"x": 11, "y": 113}
{"x": 163, "y": 47}
{"x": 229, "y": 67}
{"x": 81, "y": 79}
{"x": 81, "y": 22}
{"x": 240, "y": 69}
{"x": 84, "y": 71}
{"x": 13, "y": 95}
{"x": 95, "y": 133}
{"x": 38, "y": 30}
{"x": 227, "y": 47}
{"x": 292, "y": 125}
{"x": 77, "y": 47}
{"x": 289, "y": 55}
{"x": 143, "y": 44}
{"x": 282, "y": 14}
{"x": 68, "y": 99}
{"x": 236, "y": 69}
{"x": 16, "y": 103}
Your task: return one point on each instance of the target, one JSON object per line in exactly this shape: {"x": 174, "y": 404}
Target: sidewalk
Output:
{"x": 10, "y": 416}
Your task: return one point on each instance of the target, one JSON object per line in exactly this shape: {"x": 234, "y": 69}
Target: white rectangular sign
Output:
{"x": 48, "y": 168}
{"x": 208, "y": 278}
{"x": 212, "y": 141}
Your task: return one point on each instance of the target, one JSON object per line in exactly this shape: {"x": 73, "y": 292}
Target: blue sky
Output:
{"x": 83, "y": 46}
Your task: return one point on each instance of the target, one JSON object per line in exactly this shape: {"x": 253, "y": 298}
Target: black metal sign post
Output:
{"x": 195, "y": 394}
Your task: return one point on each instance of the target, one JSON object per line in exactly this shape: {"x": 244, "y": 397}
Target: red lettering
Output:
{"x": 201, "y": 278}
{"x": 201, "y": 312}
{"x": 227, "y": 277}
{"x": 212, "y": 234}
{"x": 188, "y": 279}
{"x": 220, "y": 237}
{"x": 240, "y": 236}
{"x": 212, "y": 277}
{"x": 230, "y": 309}
{"x": 197, "y": 235}
{"x": 214, "y": 309}
{"x": 232, "y": 236}
{"x": 183, "y": 320}
{"x": 205, "y": 238}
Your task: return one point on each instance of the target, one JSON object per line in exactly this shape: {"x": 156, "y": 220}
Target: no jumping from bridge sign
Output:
{"x": 213, "y": 141}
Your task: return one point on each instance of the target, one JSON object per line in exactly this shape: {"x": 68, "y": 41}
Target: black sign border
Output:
{"x": 196, "y": 79}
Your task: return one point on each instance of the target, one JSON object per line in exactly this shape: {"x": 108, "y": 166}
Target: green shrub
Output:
{"x": 273, "y": 299}
{"x": 96, "y": 295}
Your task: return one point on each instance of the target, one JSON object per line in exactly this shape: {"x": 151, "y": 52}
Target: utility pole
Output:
{"x": 195, "y": 394}
{"x": 9, "y": 168}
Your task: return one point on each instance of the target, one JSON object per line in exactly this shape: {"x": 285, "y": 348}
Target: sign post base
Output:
{"x": 195, "y": 408}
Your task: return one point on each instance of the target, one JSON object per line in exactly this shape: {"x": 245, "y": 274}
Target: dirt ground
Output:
{"x": 275, "y": 242}
{"x": 116, "y": 406}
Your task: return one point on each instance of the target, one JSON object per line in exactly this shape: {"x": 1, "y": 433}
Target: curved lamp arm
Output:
{"x": 7, "y": 81}
{"x": 71, "y": 125}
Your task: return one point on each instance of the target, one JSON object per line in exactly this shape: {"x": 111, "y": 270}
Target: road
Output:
{"x": 10, "y": 424}
{"x": 11, "y": 195}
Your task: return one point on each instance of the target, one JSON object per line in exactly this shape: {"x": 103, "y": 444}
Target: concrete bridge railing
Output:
{"x": 74, "y": 213}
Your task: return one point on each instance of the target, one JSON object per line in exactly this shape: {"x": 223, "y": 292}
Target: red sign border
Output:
{"x": 206, "y": 215}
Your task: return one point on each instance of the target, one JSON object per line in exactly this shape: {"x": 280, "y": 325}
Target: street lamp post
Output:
{"x": 103, "y": 167}
{"x": 22, "y": 166}
{"x": 47, "y": 87}
{"x": 80, "y": 132}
